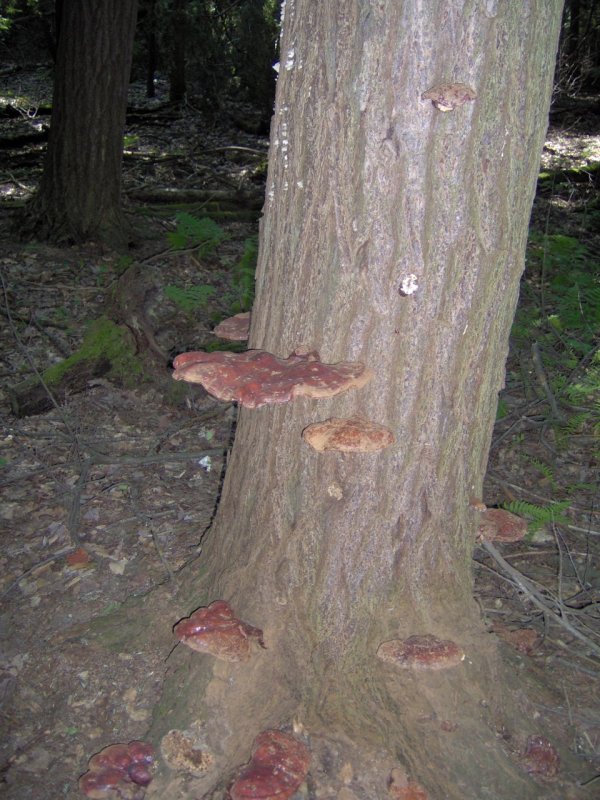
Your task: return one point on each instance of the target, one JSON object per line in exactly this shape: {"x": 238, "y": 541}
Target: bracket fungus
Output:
{"x": 353, "y": 435}
{"x": 234, "y": 329}
{"x": 448, "y": 96}
{"x": 498, "y": 525}
{"x": 214, "y": 629}
{"x": 180, "y": 751}
{"x": 541, "y": 757}
{"x": 278, "y": 766}
{"x": 257, "y": 378}
{"x": 421, "y": 653}
{"x": 119, "y": 772}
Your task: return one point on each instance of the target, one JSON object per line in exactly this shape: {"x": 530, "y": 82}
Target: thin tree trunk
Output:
{"x": 394, "y": 235}
{"x": 80, "y": 192}
{"x": 152, "y": 45}
{"x": 177, "y": 76}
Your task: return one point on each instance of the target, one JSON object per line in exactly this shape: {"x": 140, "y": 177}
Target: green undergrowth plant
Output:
{"x": 202, "y": 235}
{"x": 537, "y": 515}
{"x": 192, "y": 298}
{"x": 559, "y": 311}
{"x": 544, "y": 468}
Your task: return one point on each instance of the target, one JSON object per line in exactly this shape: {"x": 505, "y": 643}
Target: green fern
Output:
{"x": 192, "y": 298}
{"x": 539, "y": 515}
{"x": 203, "y": 234}
{"x": 546, "y": 470}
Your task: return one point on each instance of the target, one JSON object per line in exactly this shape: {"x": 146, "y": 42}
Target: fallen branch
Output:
{"x": 527, "y": 587}
{"x": 545, "y": 383}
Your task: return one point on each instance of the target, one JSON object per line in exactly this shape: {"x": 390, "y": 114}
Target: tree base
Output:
{"x": 446, "y": 731}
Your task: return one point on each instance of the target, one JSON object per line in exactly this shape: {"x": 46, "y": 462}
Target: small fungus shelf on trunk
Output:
{"x": 499, "y": 525}
{"x": 348, "y": 435}
{"x": 421, "y": 653}
{"x": 257, "y": 378}
{"x": 449, "y": 96}
{"x": 234, "y": 329}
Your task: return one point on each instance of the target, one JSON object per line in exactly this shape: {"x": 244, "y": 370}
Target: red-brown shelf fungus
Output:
{"x": 234, "y": 329}
{"x": 421, "y": 653}
{"x": 448, "y": 96}
{"x": 257, "y": 378}
{"x": 348, "y": 435}
{"x": 541, "y": 757}
{"x": 498, "y": 525}
{"x": 119, "y": 772}
{"x": 278, "y": 766}
{"x": 215, "y": 630}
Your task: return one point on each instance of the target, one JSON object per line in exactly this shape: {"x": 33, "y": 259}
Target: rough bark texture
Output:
{"x": 80, "y": 193}
{"x": 332, "y": 554}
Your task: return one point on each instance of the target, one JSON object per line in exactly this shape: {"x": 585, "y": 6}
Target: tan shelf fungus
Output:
{"x": 354, "y": 435}
{"x": 448, "y": 96}
{"x": 234, "y": 329}
{"x": 498, "y": 525}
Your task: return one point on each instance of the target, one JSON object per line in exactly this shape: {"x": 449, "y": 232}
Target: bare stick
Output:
{"x": 545, "y": 384}
{"x": 529, "y": 591}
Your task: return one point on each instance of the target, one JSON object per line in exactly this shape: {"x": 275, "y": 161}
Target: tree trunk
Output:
{"x": 177, "y": 77}
{"x": 80, "y": 193}
{"x": 152, "y": 46}
{"x": 394, "y": 235}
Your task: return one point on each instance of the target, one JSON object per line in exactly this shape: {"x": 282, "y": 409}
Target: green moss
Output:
{"x": 104, "y": 339}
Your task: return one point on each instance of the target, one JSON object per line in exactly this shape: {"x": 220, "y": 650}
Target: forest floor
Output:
{"x": 108, "y": 495}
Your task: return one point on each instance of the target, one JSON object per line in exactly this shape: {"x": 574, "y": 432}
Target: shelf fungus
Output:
{"x": 215, "y": 630}
{"x": 541, "y": 757}
{"x": 498, "y": 525}
{"x": 257, "y": 378}
{"x": 119, "y": 772}
{"x": 448, "y": 96}
{"x": 278, "y": 766}
{"x": 353, "y": 435}
{"x": 181, "y": 751}
{"x": 234, "y": 329}
{"x": 421, "y": 653}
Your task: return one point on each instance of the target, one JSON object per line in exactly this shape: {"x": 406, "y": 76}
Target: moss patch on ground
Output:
{"x": 103, "y": 340}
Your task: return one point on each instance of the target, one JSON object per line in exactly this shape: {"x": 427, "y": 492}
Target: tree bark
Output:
{"x": 80, "y": 192}
{"x": 371, "y": 192}
{"x": 179, "y": 33}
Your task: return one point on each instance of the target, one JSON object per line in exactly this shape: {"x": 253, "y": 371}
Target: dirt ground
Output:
{"x": 132, "y": 479}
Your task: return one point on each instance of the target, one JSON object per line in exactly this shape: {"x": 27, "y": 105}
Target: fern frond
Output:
{"x": 191, "y": 232}
{"x": 539, "y": 515}
{"x": 192, "y": 298}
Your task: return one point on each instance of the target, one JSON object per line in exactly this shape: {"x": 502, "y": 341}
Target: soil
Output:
{"x": 108, "y": 496}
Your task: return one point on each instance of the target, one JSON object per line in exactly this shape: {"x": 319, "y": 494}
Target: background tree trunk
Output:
{"x": 80, "y": 192}
{"x": 370, "y": 187}
{"x": 177, "y": 71}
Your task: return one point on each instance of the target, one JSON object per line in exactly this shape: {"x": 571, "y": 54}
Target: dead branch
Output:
{"x": 527, "y": 587}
